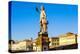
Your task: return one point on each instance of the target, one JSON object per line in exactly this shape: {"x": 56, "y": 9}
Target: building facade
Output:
{"x": 25, "y": 45}
{"x": 67, "y": 39}
{"x": 54, "y": 42}
{"x": 64, "y": 41}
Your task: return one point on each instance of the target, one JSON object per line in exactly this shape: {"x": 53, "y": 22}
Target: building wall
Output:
{"x": 63, "y": 40}
{"x": 21, "y": 46}
{"x": 54, "y": 42}
{"x": 34, "y": 46}
{"x": 67, "y": 39}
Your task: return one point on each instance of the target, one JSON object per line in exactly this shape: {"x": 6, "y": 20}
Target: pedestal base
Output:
{"x": 43, "y": 41}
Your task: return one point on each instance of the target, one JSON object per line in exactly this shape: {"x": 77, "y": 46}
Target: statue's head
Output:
{"x": 42, "y": 7}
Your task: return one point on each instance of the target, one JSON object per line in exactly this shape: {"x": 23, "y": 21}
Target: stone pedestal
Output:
{"x": 43, "y": 41}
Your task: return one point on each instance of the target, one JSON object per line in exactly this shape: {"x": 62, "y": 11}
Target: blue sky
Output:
{"x": 62, "y": 18}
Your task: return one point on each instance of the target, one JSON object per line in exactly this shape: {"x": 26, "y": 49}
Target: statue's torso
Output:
{"x": 43, "y": 21}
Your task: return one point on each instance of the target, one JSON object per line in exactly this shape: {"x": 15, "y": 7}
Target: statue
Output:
{"x": 43, "y": 40}
{"x": 43, "y": 21}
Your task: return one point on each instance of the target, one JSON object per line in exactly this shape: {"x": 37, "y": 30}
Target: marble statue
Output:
{"x": 43, "y": 21}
